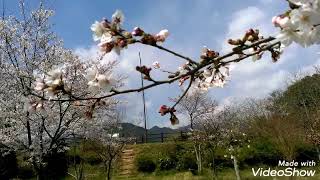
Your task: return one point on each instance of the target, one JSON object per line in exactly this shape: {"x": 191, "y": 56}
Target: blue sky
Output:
{"x": 192, "y": 24}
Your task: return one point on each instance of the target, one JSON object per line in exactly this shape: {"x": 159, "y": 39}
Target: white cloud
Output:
{"x": 267, "y": 2}
{"x": 262, "y": 85}
{"x": 93, "y": 53}
{"x": 244, "y": 19}
{"x": 255, "y": 79}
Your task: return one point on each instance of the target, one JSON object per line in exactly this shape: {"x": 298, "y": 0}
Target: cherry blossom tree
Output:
{"x": 105, "y": 141}
{"x": 195, "y": 106}
{"x": 232, "y": 130}
{"x": 210, "y": 129}
{"x": 29, "y": 49}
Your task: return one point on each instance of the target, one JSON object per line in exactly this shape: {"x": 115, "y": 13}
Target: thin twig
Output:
{"x": 174, "y": 53}
{"x": 184, "y": 93}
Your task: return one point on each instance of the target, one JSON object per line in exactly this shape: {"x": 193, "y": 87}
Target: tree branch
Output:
{"x": 191, "y": 72}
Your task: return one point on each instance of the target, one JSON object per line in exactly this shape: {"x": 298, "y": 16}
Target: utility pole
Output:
{"x": 144, "y": 106}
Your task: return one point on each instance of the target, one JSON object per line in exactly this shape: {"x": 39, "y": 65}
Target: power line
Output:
{"x": 144, "y": 104}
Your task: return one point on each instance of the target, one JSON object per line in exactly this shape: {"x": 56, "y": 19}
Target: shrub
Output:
{"x": 8, "y": 164}
{"x": 305, "y": 153}
{"x": 166, "y": 163}
{"x": 57, "y": 165}
{"x": 145, "y": 164}
{"x": 262, "y": 151}
{"x": 85, "y": 152}
{"x": 91, "y": 158}
{"x": 88, "y": 150}
{"x": 25, "y": 171}
{"x": 186, "y": 161}
{"x": 74, "y": 159}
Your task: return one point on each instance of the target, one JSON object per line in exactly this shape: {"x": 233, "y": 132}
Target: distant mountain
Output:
{"x": 131, "y": 130}
{"x": 158, "y": 130}
{"x": 184, "y": 128}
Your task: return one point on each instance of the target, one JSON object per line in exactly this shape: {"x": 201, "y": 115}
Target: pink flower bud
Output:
{"x": 162, "y": 35}
{"x": 106, "y": 47}
{"x": 182, "y": 80}
{"x": 137, "y": 31}
{"x": 280, "y": 21}
{"x": 105, "y": 23}
{"x": 122, "y": 43}
{"x": 174, "y": 120}
{"x": 163, "y": 110}
{"x": 156, "y": 65}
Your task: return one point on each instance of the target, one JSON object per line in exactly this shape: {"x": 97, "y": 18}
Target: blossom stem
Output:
{"x": 176, "y": 54}
{"x": 171, "y": 52}
{"x": 184, "y": 93}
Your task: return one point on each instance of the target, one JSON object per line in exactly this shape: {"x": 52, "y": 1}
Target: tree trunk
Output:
{"x": 198, "y": 157}
{"x": 200, "y": 161}
{"x": 40, "y": 173}
{"x": 318, "y": 151}
{"x": 214, "y": 172}
{"x": 29, "y": 133}
{"x": 37, "y": 167}
{"x": 109, "y": 164}
{"x": 236, "y": 167}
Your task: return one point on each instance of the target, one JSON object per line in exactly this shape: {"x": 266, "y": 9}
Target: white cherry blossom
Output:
{"x": 304, "y": 18}
{"x": 99, "y": 81}
{"x": 287, "y": 36}
{"x": 54, "y": 77}
{"x": 104, "y": 82}
{"x": 39, "y": 84}
{"x": 105, "y": 38}
{"x": 162, "y": 35}
{"x": 214, "y": 78}
{"x": 118, "y": 17}
{"x": 156, "y": 65}
{"x": 98, "y": 30}
{"x": 207, "y": 73}
{"x": 303, "y": 2}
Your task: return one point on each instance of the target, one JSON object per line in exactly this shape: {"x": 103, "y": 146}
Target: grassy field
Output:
{"x": 156, "y": 150}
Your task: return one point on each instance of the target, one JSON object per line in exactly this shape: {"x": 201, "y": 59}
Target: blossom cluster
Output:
{"x": 108, "y": 33}
{"x": 113, "y": 37}
{"x": 55, "y": 82}
{"x": 97, "y": 81}
{"x": 213, "y": 76}
{"x": 52, "y": 84}
{"x": 300, "y": 24}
